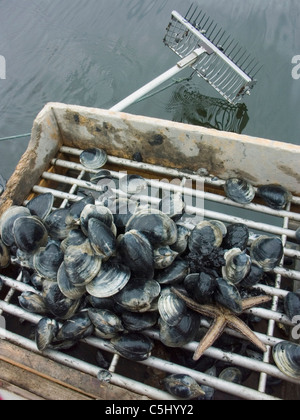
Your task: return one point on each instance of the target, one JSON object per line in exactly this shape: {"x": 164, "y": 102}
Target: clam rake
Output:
{"x": 206, "y": 48}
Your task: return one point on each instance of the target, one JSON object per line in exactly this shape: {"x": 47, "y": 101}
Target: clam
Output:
{"x": 107, "y": 324}
{"x": 267, "y": 252}
{"x": 136, "y": 252}
{"x": 201, "y": 287}
{"x": 136, "y": 322}
{"x": 233, "y": 375}
{"x": 41, "y": 206}
{"x": 48, "y": 260}
{"x": 123, "y": 209}
{"x": 102, "y": 239}
{"x": 254, "y": 277}
{"x": 93, "y": 158}
{"x": 228, "y": 295}
{"x": 101, "y": 176}
{"x": 74, "y": 238}
{"x": 237, "y": 237}
{"x": 32, "y": 302}
{"x": 238, "y": 265}
{"x": 77, "y": 327}
{"x": 172, "y": 205}
{"x": 110, "y": 280}
{"x": 174, "y": 274}
{"x": 239, "y": 190}
{"x": 183, "y": 234}
{"x": 171, "y": 308}
{"x": 133, "y": 346}
{"x": 60, "y": 306}
{"x": 57, "y": 224}
{"x": 81, "y": 264}
{"x": 287, "y": 358}
{"x": 183, "y": 386}
{"x": 45, "y": 333}
{"x": 7, "y": 222}
{"x": 4, "y": 255}
{"x": 66, "y": 287}
{"x": 99, "y": 212}
{"x": 159, "y": 228}
{"x": 77, "y": 208}
{"x": 181, "y": 334}
{"x": 275, "y": 196}
{"x": 164, "y": 257}
{"x": 30, "y": 234}
{"x": 133, "y": 184}
{"x": 205, "y": 237}
{"x": 138, "y": 295}
{"x": 292, "y": 305}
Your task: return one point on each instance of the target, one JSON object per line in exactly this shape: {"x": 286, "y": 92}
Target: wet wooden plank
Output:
{"x": 51, "y": 380}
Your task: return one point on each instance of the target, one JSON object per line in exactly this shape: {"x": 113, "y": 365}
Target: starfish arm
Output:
{"x": 255, "y": 301}
{"x": 206, "y": 310}
{"x": 239, "y": 326}
{"x": 215, "y": 331}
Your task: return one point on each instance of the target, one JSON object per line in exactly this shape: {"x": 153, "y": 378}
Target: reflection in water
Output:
{"x": 189, "y": 106}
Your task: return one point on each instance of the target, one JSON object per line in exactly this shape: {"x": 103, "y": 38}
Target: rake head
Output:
{"x": 226, "y": 65}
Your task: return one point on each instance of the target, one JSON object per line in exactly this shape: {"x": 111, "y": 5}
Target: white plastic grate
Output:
{"x": 257, "y": 217}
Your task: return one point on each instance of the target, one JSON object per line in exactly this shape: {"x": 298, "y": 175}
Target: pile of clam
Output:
{"x": 111, "y": 275}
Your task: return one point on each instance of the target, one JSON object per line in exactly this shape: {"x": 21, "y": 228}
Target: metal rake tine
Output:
{"x": 256, "y": 73}
{"x": 248, "y": 65}
{"x": 191, "y": 17}
{"x": 191, "y": 6}
{"x": 250, "y": 71}
{"x": 239, "y": 59}
{"x": 234, "y": 57}
{"x": 236, "y": 45}
{"x": 241, "y": 65}
{"x": 213, "y": 40}
{"x": 213, "y": 30}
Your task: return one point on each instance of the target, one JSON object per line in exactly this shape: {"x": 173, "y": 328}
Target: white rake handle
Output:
{"x": 181, "y": 65}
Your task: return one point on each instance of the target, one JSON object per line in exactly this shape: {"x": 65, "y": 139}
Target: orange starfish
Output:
{"x": 223, "y": 318}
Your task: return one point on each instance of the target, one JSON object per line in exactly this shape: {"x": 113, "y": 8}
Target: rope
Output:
{"x": 15, "y": 137}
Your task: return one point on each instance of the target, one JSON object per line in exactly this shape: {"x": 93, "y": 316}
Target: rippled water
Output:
{"x": 96, "y": 52}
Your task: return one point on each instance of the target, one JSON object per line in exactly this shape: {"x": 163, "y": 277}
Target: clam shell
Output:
{"x": 136, "y": 252}
{"x": 228, "y": 295}
{"x": 57, "y": 224}
{"x": 237, "y": 267}
{"x": 102, "y": 239}
{"x": 138, "y": 295}
{"x": 67, "y": 287}
{"x": 275, "y": 196}
{"x": 81, "y": 264}
{"x": 32, "y": 302}
{"x": 123, "y": 209}
{"x": 136, "y": 322}
{"x": 232, "y": 375}
{"x": 133, "y": 346}
{"x": 183, "y": 386}
{"x": 254, "y": 277}
{"x": 98, "y": 212}
{"x": 110, "y": 280}
{"x": 183, "y": 234}
{"x": 205, "y": 237}
{"x": 164, "y": 257}
{"x": 183, "y": 333}
{"x": 41, "y": 206}
{"x": 93, "y": 158}
{"x": 237, "y": 237}
{"x": 45, "y": 333}
{"x": 267, "y": 252}
{"x": 287, "y": 358}
{"x": 159, "y": 228}
{"x": 30, "y": 234}
{"x": 7, "y": 222}
{"x": 173, "y": 274}
{"x": 239, "y": 190}
{"x": 60, "y": 306}
{"x": 48, "y": 260}
{"x": 107, "y": 324}
{"x": 77, "y": 327}
{"x": 292, "y": 305}
{"x": 171, "y": 308}
{"x": 201, "y": 286}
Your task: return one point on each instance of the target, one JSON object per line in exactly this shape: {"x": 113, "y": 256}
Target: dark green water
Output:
{"x": 96, "y": 52}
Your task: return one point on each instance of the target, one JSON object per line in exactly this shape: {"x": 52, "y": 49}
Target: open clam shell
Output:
{"x": 93, "y": 158}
